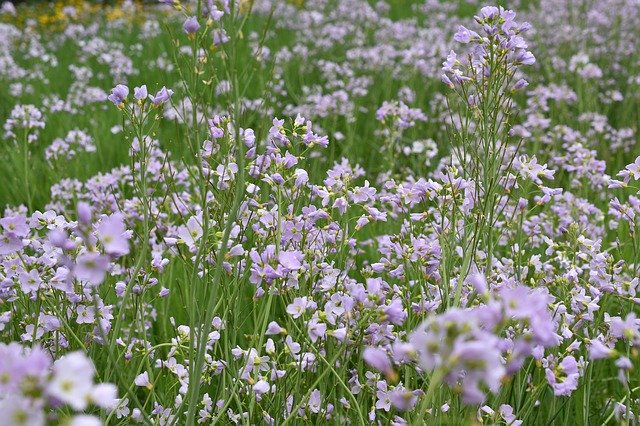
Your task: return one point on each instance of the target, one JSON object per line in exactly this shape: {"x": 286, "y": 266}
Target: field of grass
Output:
{"x": 320, "y": 212}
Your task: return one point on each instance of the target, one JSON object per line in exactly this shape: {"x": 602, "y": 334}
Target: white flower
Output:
{"x": 16, "y": 411}
{"x": 104, "y": 395}
{"x": 85, "y": 420}
{"x": 72, "y": 381}
{"x": 142, "y": 380}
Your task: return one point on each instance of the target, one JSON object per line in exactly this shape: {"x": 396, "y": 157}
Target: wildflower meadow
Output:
{"x": 296, "y": 212}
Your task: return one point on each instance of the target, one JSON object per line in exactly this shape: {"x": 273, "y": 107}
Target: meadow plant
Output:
{"x": 234, "y": 216}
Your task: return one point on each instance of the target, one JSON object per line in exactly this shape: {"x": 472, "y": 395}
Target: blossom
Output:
{"x": 119, "y": 95}
{"x": 142, "y": 380}
{"x": 628, "y": 329}
{"x": 17, "y": 411}
{"x": 564, "y": 377}
{"x": 297, "y": 307}
{"x": 91, "y": 267}
{"x": 161, "y": 96}
{"x": 315, "y": 401}
{"x": 111, "y": 233}
{"x": 72, "y": 380}
{"x": 191, "y": 25}
{"x": 378, "y": 359}
{"x": 190, "y": 233}
{"x": 140, "y": 93}
{"x": 84, "y": 420}
{"x": 291, "y": 260}
{"x": 316, "y": 329}
{"x": 454, "y": 343}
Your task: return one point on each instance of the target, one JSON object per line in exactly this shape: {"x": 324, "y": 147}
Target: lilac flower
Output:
{"x": 17, "y": 410}
{"x": 404, "y": 399}
{"x": 464, "y": 35}
{"x": 506, "y": 412}
{"x": 191, "y": 25}
{"x": 15, "y": 225}
{"x": 111, "y": 233}
{"x": 378, "y": 359}
{"x": 598, "y": 350}
{"x": 142, "y": 380}
{"x": 86, "y": 314}
{"x": 190, "y": 233}
{"x": 140, "y": 93}
{"x": 72, "y": 380}
{"x": 454, "y": 343}
{"x": 30, "y": 282}
{"x": 383, "y": 401}
{"x": 477, "y": 364}
{"x": 9, "y": 243}
{"x": 91, "y": 267}
{"x": 27, "y": 118}
{"x": 316, "y": 329}
{"x": 84, "y": 420}
{"x": 119, "y": 95}
{"x": 298, "y": 307}
{"x": 564, "y": 377}
{"x": 84, "y": 213}
{"x": 394, "y": 312}
{"x": 274, "y": 328}
{"x": 19, "y": 366}
{"x": 161, "y": 97}
{"x": 628, "y": 329}
{"x": 315, "y": 401}
{"x": 262, "y": 386}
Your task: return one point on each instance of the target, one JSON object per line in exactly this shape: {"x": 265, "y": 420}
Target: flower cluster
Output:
{"x": 501, "y": 45}
{"x": 32, "y": 382}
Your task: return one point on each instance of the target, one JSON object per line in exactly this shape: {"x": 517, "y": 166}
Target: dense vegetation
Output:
{"x": 318, "y": 212}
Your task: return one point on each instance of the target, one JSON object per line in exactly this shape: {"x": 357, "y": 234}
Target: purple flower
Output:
{"x": 86, "y": 314}
{"x": 9, "y": 243}
{"x": 30, "y": 282}
{"x": 142, "y": 380}
{"x": 520, "y": 84}
{"x": 291, "y": 260}
{"x": 468, "y": 355}
{"x": 315, "y": 401}
{"x": 274, "y": 328}
{"x": 298, "y": 307}
{"x": 119, "y": 95}
{"x": 84, "y": 213}
{"x": 140, "y": 93}
{"x": 464, "y": 35}
{"x": 262, "y": 386}
{"x": 316, "y": 329}
{"x": 378, "y": 359}
{"x": 383, "y": 402}
{"x": 489, "y": 12}
{"x": 628, "y": 329}
{"x": 394, "y": 312}
{"x": 404, "y": 399}
{"x": 111, "y": 233}
{"x": 15, "y": 225}
{"x": 525, "y": 57}
{"x": 20, "y": 410}
{"x": 564, "y": 377}
{"x": 72, "y": 380}
{"x": 191, "y": 25}
{"x": 598, "y": 350}
{"x": 162, "y": 96}
{"x": 91, "y": 267}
